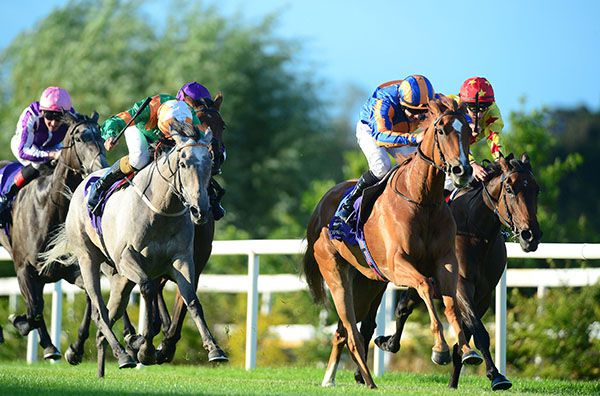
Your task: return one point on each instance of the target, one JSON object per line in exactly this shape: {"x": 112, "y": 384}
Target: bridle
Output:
{"x": 71, "y": 131}
{"x": 446, "y": 168}
{"x": 495, "y": 203}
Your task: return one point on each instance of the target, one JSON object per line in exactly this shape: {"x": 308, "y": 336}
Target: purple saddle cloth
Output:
{"x": 96, "y": 219}
{"x": 7, "y": 175}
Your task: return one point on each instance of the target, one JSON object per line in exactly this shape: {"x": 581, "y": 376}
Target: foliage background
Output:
{"x": 286, "y": 146}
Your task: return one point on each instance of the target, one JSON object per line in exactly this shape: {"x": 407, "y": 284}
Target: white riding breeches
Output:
{"x": 137, "y": 145}
{"x": 378, "y": 157}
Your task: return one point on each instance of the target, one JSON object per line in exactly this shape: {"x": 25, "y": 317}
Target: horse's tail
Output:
{"x": 313, "y": 275}
{"x": 466, "y": 311}
{"x": 59, "y": 251}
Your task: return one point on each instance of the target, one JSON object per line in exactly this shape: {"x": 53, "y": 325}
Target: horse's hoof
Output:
{"x": 134, "y": 342}
{"x": 72, "y": 357}
{"x": 441, "y": 358}
{"x": 217, "y": 355}
{"x": 359, "y": 378}
{"x": 500, "y": 382}
{"x": 21, "y": 324}
{"x": 164, "y": 354}
{"x": 147, "y": 356}
{"x": 325, "y": 384}
{"x": 126, "y": 361}
{"x": 472, "y": 358}
{"x": 51, "y": 353}
{"x": 383, "y": 342}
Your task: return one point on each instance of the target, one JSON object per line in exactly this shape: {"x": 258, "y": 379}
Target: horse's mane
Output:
{"x": 438, "y": 106}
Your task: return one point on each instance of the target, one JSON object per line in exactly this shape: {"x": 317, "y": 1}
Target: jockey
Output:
{"x": 388, "y": 123}
{"x": 478, "y": 95}
{"x": 38, "y": 138}
{"x": 145, "y": 130}
{"x": 155, "y": 129}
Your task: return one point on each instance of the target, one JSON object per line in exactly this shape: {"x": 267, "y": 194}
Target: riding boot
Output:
{"x": 347, "y": 207}
{"x": 97, "y": 189}
{"x": 215, "y": 194}
{"x": 5, "y": 201}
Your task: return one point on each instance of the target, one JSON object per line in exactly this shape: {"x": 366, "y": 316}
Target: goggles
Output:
{"x": 52, "y": 115}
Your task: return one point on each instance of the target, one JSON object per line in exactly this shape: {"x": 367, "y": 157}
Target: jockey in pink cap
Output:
{"x": 38, "y": 138}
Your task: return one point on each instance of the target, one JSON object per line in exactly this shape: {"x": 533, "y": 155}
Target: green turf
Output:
{"x": 61, "y": 379}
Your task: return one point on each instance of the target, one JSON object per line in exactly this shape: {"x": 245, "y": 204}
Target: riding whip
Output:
{"x": 137, "y": 113}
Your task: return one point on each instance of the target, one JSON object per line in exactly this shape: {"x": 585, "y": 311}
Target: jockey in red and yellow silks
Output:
{"x": 478, "y": 95}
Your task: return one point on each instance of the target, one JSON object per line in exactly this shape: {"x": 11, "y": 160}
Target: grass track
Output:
{"x": 45, "y": 379}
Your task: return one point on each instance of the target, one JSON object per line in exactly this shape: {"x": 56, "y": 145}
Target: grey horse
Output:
{"x": 147, "y": 233}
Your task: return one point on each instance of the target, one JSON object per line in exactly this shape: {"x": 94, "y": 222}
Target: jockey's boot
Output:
{"x": 113, "y": 175}
{"x": 215, "y": 194}
{"x": 5, "y": 200}
{"x": 347, "y": 207}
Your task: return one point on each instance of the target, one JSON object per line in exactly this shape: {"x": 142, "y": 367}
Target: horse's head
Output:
{"x": 208, "y": 113}
{"x": 516, "y": 204}
{"x": 445, "y": 143}
{"x": 193, "y": 169}
{"x": 83, "y": 149}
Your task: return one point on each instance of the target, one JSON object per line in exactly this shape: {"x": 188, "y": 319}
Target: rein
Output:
{"x": 172, "y": 185}
{"x": 82, "y": 166}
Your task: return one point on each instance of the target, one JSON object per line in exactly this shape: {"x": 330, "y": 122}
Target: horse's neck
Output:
{"x": 481, "y": 218}
{"x": 156, "y": 188}
{"x": 420, "y": 181}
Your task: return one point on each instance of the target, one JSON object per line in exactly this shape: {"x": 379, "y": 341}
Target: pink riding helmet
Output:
{"x": 55, "y": 99}
{"x": 194, "y": 90}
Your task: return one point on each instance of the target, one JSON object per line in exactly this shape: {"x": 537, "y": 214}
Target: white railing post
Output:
{"x": 56, "y": 325}
{"x": 381, "y": 320}
{"x": 500, "y": 358}
{"x": 32, "y": 344}
{"x": 252, "y": 310}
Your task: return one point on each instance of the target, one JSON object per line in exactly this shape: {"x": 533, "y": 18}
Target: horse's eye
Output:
{"x": 182, "y": 164}
{"x": 78, "y": 139}
{"x": 510, "y": 190}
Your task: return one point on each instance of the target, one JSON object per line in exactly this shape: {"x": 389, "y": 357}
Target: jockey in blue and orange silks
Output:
{"x": 388, "y": 124}
{"x": 145, "y": 130}
{"x": 38, "y": 138}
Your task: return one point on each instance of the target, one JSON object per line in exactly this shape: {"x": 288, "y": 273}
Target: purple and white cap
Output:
{"x": 194, "y": 90}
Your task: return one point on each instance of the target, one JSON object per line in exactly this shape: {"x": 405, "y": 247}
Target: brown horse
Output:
{"x": 508, "y": 197}
{"x": 410, "y": 234}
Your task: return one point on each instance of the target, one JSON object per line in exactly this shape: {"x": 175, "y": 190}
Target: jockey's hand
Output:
{"x": 54, "y": 154}
{"x": 479, "y": 172}
{"x": 109, "y": 143}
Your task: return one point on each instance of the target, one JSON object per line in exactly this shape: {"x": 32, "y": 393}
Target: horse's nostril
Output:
{"x": 457, "y": 170}
{"x": 526, "y": 235}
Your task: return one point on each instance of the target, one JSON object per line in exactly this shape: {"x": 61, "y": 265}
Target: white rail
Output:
{"x": 253, "y": 284}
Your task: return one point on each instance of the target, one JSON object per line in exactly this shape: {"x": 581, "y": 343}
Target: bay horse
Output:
{"x": 147, "y": 233}
{"x": 38, "y": 209}
{"x": 507, "y": 198}
{"x": 410, "y": 234}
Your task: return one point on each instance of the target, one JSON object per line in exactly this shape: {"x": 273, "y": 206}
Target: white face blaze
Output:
{"x": 458, "y": 125}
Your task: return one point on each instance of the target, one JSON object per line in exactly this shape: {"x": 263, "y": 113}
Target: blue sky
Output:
{"x": 547, "y": 52}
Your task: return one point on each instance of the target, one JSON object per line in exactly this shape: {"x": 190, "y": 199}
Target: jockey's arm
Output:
{"x": 384, "y": 133}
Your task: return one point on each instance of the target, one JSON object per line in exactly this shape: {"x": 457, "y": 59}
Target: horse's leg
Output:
{"x": 203, "y": 237}
{"x": 91, "y": 277}
{"x": 161, "y": 305}
{"x": 337, "y": 345}
{"x": 74, "y": 354}
{"x": 336, "y": 275}
{"x": 183, "y": 273}
{"x": 32, "y": 289}
{"x": 366, "y": 312}
{"x": 440, "y": 352}
{"x": 408, "y": 300}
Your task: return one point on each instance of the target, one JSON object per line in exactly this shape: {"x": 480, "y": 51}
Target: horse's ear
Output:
{"x": 218, "y": 100}
{"x": 95, "y": 116}
{"x": 208, "y": 135}
{"x": 525, "y": 158}
{"x": 434, "y": 107}
{"x": 503, "y": 164}
{"x": 68, "y": 117}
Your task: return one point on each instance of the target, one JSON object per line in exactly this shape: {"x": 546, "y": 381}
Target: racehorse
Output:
{"x": 147, "y": 233}
{"x": 410, "y": 234}
{"x": 508, "y": 197}
{"x": 210, "y": 117}
{"x": 39, "y": 208}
